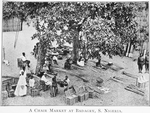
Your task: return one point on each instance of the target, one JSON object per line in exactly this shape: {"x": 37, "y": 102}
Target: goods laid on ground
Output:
{"x": 141, "y": 82}
{"x": 44, "y": 86}
{"x": 4, "y": 95}
{"x": 81, "y": 97}
{"x": 129, "y": 75}
{"x": 104, "y": 90}
{"x": 71, "y": 98}
{"x": 81, "y": 94}
{"x": 35, "y": 92}
{"x": 11, "y": 93}
{"x": 91, "y": 93}
{"x": 117, "y": 80}
{"x": 9, "y": 85}
{"x": 99, "y": 81}
{"x": 135, "y": 89}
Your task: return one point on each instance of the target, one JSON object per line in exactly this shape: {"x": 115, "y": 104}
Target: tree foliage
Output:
{"x": 106, "y": 25}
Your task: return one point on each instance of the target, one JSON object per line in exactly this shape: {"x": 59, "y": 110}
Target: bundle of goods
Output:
{"x": 11, "y": 93}
{"x": 71, "y": 97}
{"x": 35, "y": 92}
{"x": 141, "y": 82}
{"x": 78, "y": 94}
{"x": 135, "y": 89}
{"x": 99, "y": 82}
{"x": 44, "y": 86}
{"x": 4, "y": 95}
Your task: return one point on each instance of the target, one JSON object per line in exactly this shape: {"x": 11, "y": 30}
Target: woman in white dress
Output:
{"x": 21, "y": 89}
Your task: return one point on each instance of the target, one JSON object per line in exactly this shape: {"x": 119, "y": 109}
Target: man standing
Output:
{"x": 147, "y": 63}
{"x": 23, "y": 58}
{"x": 140, "y": 62}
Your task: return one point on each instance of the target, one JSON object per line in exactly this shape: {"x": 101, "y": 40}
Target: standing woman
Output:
{"x": 21, "y": 89}
{"x": 23, "y": 58}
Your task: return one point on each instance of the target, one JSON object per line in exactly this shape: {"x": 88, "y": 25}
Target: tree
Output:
{"x": 105, "y": 25}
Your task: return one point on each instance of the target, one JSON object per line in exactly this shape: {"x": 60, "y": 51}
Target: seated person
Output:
{"x": 45, "y": 67}
{"x": 47, "y": 82}
{"x": 68, "y": 63}
{"x": 99, "y": 61}
{"x": 55, "y": 60}
{"x": 40, "y": 74}
{"x": 80, "y": 62}
{"x": 66, "y": 82}
{"x": 67, "y": 85}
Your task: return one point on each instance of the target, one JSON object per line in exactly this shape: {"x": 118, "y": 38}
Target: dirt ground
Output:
{"x": 117, "y": 96}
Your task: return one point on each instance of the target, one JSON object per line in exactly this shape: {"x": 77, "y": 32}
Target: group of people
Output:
{"x": 143, "y": 61}
{"x": 22, "y": 85}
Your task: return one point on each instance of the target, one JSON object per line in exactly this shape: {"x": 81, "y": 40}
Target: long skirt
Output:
{"x": 20, "y": 90}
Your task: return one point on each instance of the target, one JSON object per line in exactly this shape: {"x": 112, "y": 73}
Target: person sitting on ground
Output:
{"x": 67, "y": 85}
{"x": 99, "y": 61}
{"x": 68, "y": 63}
{"x": 40, "y": 74}
{"x": 80, "y": 62}
{"x": 45, "y": 67}
{"x": 54, "y": 85}
{"x": 140, "y": 62}
{"x": 47, "y": 82}
{"x": 55, "y": 60}
{"x": 66, "y": 82}
{"x": 147, "y": 63}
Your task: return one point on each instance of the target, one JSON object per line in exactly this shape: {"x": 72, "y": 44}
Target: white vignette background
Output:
{"x": 26, "y": 109}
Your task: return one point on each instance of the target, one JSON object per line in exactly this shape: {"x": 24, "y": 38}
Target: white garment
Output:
{"x": 54, "y": 58}
{"x": 68, "y": 81}
{"x": 47, "y": 82}
{"x": 31, "y": 82}
{"x": 21, "y": 71}
{"x": 25, "y": 74}
{"x": 21, "y": 88}
{"x": 81, "y": 63}
{"x": 23, "y": 58}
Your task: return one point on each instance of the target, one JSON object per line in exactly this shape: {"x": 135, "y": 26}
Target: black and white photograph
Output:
{"x": 75, "y": 53}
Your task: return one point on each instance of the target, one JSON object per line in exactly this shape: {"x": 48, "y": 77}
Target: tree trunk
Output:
{"x": 40, "y": 58}
{"x": 76, "y": 48}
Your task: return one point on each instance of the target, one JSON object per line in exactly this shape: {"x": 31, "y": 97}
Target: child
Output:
{"x": 31, "y": 82}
